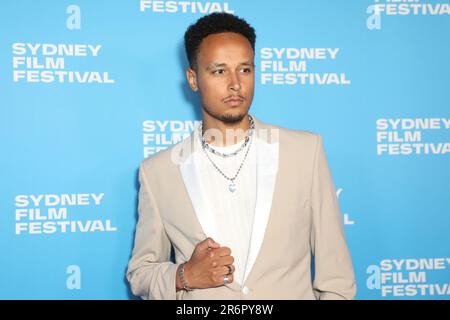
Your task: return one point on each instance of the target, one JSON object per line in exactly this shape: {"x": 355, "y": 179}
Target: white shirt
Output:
{"x": 232, "y": 212}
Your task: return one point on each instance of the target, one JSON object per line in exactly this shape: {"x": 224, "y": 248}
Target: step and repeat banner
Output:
{"x": 88, "y": 89}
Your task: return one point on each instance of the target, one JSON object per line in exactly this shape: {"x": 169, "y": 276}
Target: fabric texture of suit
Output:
{"x": 297, "y": 219}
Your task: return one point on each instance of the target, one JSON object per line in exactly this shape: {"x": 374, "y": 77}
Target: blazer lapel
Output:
{"x": 266, "y": 171}
{"x": 190, "y": 174}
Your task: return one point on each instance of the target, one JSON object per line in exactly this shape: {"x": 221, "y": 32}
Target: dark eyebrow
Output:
{"x": 216, "y": 65}
{"x": 248, "y": 63}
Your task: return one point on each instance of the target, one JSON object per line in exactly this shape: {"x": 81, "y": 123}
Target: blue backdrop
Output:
{"x": 90, "y": 88}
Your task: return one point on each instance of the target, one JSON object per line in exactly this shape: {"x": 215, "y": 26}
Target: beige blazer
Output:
{"x": 297, "y": 219}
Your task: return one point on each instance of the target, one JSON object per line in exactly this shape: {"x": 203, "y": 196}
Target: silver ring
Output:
{"x": 229, "y": 270}
{"x": 225, "y": 280}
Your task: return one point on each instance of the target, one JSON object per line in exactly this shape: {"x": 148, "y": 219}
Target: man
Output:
{"x": 245, "y": 205}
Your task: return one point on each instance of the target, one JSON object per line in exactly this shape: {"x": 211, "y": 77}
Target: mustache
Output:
{"x": 234, "y": 96}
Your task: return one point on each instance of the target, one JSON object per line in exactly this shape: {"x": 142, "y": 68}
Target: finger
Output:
{"x": 207, "y": 243}
{"x": 223, "y": 261}
{"x": 230, "y": 279}
{"x": 223, "y": 270}
{"x": 212, "y": 243}
{"x": 220, "y": 280}
{"x": 228, "y": 269}
{"x": 223, "y": 251}
{"x": 203, "y": 244}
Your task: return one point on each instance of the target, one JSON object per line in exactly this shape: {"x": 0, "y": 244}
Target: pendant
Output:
{"x": 232, "y": 187}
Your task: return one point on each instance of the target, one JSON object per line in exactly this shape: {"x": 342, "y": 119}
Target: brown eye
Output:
{"x": 218, "y": 71}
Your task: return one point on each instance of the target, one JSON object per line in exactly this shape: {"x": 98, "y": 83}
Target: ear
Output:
{"x": 191, "y": 77}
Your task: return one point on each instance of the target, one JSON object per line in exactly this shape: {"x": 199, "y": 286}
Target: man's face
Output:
{"x": 224, "y": 76}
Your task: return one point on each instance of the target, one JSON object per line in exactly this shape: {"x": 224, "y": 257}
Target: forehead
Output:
{"x": 225, "y": 46}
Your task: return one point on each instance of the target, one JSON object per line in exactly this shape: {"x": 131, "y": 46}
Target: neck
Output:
{"x": 222, "y": 134}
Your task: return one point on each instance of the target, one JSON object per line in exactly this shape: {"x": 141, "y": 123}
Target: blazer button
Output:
{"x": 245, "y": 290}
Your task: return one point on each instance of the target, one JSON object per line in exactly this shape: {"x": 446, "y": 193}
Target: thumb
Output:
{"x": 207, "y": 243}
{"x": 212, "y": 243}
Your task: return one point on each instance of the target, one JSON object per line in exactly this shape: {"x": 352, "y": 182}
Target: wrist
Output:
{"x": 178, "y": 285}
{"x": 184, "y": 280}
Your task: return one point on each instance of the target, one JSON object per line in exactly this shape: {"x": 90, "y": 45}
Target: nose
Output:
{"x": 234, "y": 82}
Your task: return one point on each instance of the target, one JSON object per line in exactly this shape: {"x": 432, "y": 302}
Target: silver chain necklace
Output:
{"x": 206, "y": 145}
{"x": 232, "y": 185}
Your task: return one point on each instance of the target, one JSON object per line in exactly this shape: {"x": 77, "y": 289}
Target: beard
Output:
{"x": 227, "y": 118}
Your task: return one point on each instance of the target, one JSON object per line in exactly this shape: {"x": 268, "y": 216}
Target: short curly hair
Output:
{"x": 213, "y": 23}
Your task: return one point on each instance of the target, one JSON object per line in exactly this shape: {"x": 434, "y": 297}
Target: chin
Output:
{"x": 230, "y": 116}
{"x": 234, "y": 115}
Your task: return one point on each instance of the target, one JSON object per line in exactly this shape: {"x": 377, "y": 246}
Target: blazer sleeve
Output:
{"x": 334, "y": 275}
{"x": 150, "y": 272}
